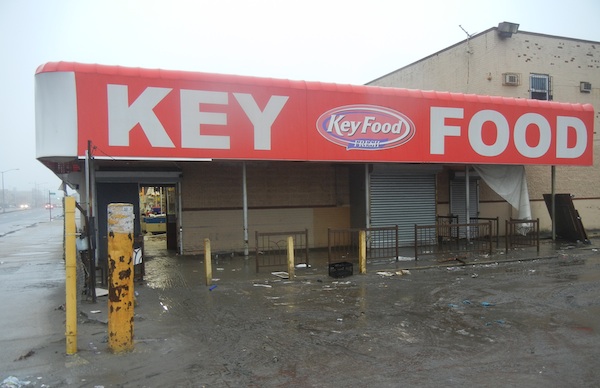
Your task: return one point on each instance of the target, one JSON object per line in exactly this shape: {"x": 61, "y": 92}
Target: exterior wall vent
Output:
{"x": 511, "y": 79}
{"x": 585, "y": 87}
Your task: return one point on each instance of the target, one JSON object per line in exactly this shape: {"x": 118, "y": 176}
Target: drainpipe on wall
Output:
{"x": 467, "y": 200}
{"x": 367, "y": 199}
{"x": 180, "y": 217}
{"x": 553, "y": 203}
{"x": 245, "y": 206}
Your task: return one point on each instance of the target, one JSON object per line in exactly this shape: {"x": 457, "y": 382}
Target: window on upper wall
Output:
{"x": 540, "y": 87}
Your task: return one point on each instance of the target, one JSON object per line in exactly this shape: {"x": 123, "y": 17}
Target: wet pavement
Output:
{"x": 518, "y": 319}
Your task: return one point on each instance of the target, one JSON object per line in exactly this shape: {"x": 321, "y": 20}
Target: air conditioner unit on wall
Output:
{"x": 585, "y": 87}
{"x": 511, "y": 79}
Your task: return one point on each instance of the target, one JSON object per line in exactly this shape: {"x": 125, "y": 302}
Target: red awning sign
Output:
{"x": 145, "y": 114}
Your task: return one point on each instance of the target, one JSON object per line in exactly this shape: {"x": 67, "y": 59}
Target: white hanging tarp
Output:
{"x": 510, "y": 182}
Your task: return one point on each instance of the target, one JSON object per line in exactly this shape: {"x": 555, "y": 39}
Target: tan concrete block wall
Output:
{"x": 282, "y": 196}
{"x": 211, "y": 185}
{"x": 276, "y": 184}
{"x": 224, "y": 228}
{"x": 329, "y": 217}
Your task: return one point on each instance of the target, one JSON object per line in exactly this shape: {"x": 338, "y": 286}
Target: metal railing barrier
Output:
{"x": 522, "y": 233}
{"x": 443, "y": 238}
{"x": 271, "y": 248}
{"x": 495, "y": 226}
{"x": 343, "y": 244}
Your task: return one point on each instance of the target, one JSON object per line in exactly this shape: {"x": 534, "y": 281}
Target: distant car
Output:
{"x": 49, "y": 206}
{"x": 24, "y": 206}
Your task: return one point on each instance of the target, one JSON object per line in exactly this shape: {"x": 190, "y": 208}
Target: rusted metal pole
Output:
{"x": 207, "y": 262}
{"x": 120, "y": 277}
{"x": 290, "y": 257}
{"x": 362, "y": 251}
{"x": 70, "y": 276}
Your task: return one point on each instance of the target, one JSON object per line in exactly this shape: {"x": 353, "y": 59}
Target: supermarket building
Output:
{"x": 238, "y": 154}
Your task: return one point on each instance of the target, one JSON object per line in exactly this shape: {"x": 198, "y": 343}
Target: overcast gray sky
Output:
{"x": 341, "y": 41}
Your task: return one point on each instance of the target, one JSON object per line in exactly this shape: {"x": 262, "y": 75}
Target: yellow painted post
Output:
{"x": 207, "y": 262}
{"x": 70, "y": 276}
{"x": 362, "y": 251}
{"x": 290, "y": 257}
{"x": 120, "y": 277}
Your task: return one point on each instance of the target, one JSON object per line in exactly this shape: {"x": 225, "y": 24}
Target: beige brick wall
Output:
{"x": 477, "y": 65}
{"x": 282, "y": 196}
{"x": 218, "y": 185}
{"x": 224, "y": 228}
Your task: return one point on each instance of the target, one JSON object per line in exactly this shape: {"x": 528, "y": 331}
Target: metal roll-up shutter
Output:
{"x": 402, "y": 199}
{"x": 458, "y": 199}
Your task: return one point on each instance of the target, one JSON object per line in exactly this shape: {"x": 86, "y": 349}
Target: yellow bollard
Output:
{"x": 207, "y": 262}
{"x": 290, "y": 257}
{"x": 120, "y": 277}
{"x": 70, "y": 276}
{"x": 362, "y": 251}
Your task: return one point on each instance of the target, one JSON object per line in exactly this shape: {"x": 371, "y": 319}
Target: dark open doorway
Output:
{"x": 162, "y": 212}
{"x": 158, "y": 214}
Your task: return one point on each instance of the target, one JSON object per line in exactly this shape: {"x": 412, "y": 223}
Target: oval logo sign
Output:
{"x": 365, "y": 127}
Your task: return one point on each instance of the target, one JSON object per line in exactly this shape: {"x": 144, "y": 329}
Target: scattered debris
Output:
{"x": 26, "y": 356}
{"x": 101, "y": 292}
{"x": 92, "y": 346}
{"x": 468, "y": 302}
{"x": 281, "y": 274}
{"x": 262, "y": 285}
{"x": 303, "y": 265}
{"x": 341, "y": 269}
{"x": 212, "y": 287}
{"x": 461, "y": 259}
{"x": 498, "y": 321}
{"x": 397, "y": 273}
{"x": 405, "y": 258}
{"x": 13, "y": 382}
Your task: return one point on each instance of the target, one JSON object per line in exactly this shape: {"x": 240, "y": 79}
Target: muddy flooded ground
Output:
{"x": 529, "y": 324}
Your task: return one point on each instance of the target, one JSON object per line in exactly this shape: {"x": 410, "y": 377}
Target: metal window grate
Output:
{"x": 539, "y": 86}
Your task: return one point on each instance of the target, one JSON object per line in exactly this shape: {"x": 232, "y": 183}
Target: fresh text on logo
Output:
{"x": 365, "y": 127}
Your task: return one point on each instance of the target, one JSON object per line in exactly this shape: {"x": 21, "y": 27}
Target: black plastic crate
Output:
{"x": 340, "y": 270}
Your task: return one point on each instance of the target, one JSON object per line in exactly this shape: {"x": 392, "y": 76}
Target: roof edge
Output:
{"x": 473, "y": 37}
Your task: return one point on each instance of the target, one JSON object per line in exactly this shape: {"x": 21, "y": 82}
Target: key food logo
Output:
{"x": 365, "y": 127}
